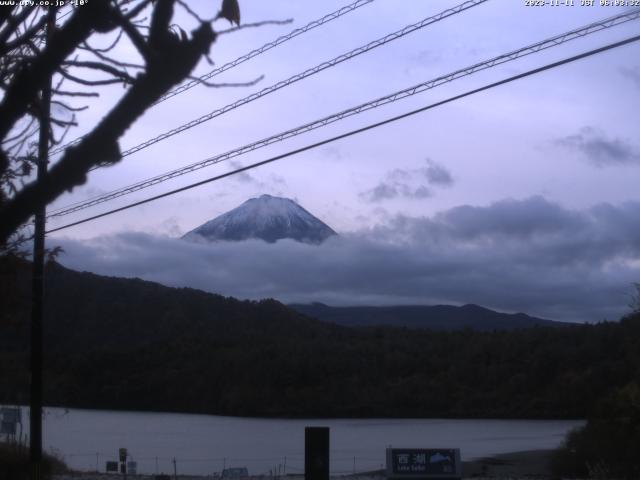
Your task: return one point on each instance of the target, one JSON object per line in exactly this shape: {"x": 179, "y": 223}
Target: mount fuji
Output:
{"x": 267, "y": 218}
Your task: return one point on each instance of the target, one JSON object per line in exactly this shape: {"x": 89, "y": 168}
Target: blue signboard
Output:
{"x": 427, "y": 463}
{"x": 237, "y": 472}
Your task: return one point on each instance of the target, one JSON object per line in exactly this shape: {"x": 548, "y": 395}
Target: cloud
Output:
{"x": 427, "y": 57}
{"x": 244, "y": 177}
{"x": 170, "y": 226}
{"x": 424, "y": 59}
{"x": 334, "y": 153}
{"x": 277, "y": 179}
{"x": 437, "y": 174}
{"x": 382, "y": 191}
{"x": 599, "y": 150}
{"x": 632, "y": 74}
{"x": 272, "y": 184}
{"x": 526, "y": 255}
{"x": 411, "y": 183}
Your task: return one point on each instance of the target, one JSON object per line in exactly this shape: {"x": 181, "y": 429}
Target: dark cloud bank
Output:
{"x": 514, "y": 255}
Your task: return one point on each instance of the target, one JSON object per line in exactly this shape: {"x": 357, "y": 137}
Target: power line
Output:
{"x": 536, "y": 47}
{"x": 357, "y": 131}
{"x": 307, "y": 73}
{"x": 266, "y": 47}
{"x": 254, "y": 53}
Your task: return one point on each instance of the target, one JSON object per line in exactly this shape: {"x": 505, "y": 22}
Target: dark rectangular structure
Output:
{"x": 424, "y": 463}
{"x": 316, "y": 453}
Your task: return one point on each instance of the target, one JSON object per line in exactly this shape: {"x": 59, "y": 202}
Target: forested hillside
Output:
{"x": 131, "y": 344}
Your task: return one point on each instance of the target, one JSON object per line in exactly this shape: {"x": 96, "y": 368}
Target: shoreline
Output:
{"x": 312, "y": 418}
{"x": 528, "y": 464}
{"x": 520, "y": 465}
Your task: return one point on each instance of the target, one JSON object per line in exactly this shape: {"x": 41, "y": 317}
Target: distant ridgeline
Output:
{"x": 436, "y": 317}
{"x": 117, "y": 343}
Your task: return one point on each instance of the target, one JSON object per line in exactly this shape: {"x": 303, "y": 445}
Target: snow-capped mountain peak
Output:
{"x": 266, "y": 217}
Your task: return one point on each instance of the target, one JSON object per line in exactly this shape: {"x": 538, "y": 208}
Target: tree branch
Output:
{"x": 89, "y": 83}
{"x": 75, "y": 94}
{"x": 14, "y": 22}
{"x": 250, "y": 83}
{"x": 85, "y": 45}
{"x": 23, "y": 37}
{"x": 100, "y": 146}
{"x": 28, "y": 81}
{"x": 254, "y": 25}
{"x": 122, "y": 75}
{"x": 113, "y": 61}
{"x": 134, "y": 35}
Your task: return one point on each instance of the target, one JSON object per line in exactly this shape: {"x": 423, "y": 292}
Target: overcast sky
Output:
{"x": 521, "y": 198}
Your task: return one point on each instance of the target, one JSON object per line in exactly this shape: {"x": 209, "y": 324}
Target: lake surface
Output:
{"x": 203, "y": 444}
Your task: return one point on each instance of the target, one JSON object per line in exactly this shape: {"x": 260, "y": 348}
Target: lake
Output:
{"x": 203, "y": 444}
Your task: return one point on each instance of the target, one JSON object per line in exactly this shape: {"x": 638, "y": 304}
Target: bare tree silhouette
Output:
{"x": 75, "y": 56}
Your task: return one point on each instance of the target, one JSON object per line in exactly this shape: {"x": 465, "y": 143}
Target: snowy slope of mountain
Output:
{"x": 267, "y": 218}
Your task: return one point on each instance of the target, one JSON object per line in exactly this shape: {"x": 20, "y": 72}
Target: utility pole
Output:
{"x": 37, "y": 281}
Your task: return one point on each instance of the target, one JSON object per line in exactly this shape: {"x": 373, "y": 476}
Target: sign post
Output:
{"x": 316, "y": 453}
{"x": 123, "y": 462}
{"x": 424, "y": 463}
